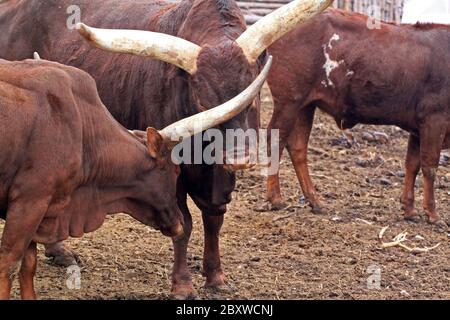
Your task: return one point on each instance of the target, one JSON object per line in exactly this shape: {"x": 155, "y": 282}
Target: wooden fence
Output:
{"x": 386, "y": 10}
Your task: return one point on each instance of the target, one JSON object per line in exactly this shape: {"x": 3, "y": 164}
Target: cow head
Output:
{"x": 164, "y": 213}
{"x": 217, "y": 70}
{"x": 154, "y": 194}
{"x": 223, "y": 72}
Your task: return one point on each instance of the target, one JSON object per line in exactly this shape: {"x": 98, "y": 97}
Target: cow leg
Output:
{"x": 21, "y": 224}
{"x": 27, "y": 272}
{"x": 432, "y": 138}
{"x": 62, "y": 254}
{"x": 297, "y": 145}
{"x": 285, "y": 126}
{"x": 182, "y": 287}
{"x": 211, "y": 256}
{"x": 412, "y": 166}
{"x": 273, "y": 181}
{"x": 274, "y": 191}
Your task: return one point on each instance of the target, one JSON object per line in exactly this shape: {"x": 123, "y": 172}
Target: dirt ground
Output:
{"x": 288, "y": 254}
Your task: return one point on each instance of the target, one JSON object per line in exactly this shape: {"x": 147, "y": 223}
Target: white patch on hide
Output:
{"x": 335, "y": 37}
{"x": 330, "y": 64}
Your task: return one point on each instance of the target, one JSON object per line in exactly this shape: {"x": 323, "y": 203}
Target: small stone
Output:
{"x": 367, "y": 136}
{"x": 371, "y": 162}
{"x": 445, "y": 159}
{"x": 402, "y": 277}
{"x": 362, "y": 163}
{"x": 333, "y": 294}
{"x": 400, "y": 174}
{"x": 385, "y": 182}
{"x": 376, "y": 137}
{"x": 390, "y": 259}
{"x": 330, "y": 195}
{"x": 381, "y": 137}
{"x": 404, "y": 293}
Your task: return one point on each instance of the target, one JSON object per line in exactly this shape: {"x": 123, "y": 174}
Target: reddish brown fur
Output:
{"x": 397, "y": 75}
{"x": 141, "y": 92}
{"x": 68, "y": 164}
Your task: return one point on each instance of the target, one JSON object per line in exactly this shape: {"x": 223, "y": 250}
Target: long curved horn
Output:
{"x": 272, "y": 27}
{"x": 190, "y": 126}
{"x": 164, "y": 47}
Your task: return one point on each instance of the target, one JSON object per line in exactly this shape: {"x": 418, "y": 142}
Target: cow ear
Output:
{"x": 154, "y": 143}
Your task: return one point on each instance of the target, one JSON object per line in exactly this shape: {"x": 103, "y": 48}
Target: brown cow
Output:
{"x": 395, "y": 75}
{"x": 66, "y": 163}
{"x": 205, "y": 56}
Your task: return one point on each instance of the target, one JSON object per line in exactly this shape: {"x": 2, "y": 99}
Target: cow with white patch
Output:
{"x": 394, "y": 75}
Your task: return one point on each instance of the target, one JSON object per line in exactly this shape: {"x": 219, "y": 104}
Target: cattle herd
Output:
{"x": 88, "y": 125}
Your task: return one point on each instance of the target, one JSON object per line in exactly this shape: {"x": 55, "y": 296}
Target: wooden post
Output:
{"x": 347, "y": 5}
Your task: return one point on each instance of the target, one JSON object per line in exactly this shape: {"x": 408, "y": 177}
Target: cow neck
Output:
{"x": 111, "y": 155}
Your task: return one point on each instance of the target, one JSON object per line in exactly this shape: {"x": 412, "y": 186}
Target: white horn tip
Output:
{"x": 268, "y": 64}
{"x": 36, "y": 56}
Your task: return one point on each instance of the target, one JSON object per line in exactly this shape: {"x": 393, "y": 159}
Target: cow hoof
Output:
{"x": 277, "y": 205}
{"x": 65, "y": 261}
{"x": 411, "y": 214}
{"x": 184, "y": 291}
{"x": 317, "y": 209}
{"x": 433, "y": 218}
{"x": 215, "y": 280}
{"x": 441, "y": 225}
{"x": 413, "y": 218}
{"x": 62, "y": 256}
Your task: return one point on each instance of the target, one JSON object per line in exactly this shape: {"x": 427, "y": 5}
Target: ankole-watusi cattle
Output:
{"x": 395, "y": 75}
{"x": 202, "y": 56}
{"x": 66, "y": 163}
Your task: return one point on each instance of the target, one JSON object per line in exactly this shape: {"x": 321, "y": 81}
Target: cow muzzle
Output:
{"x": 240, "y": 160}
{"x": 238, "y": 167}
